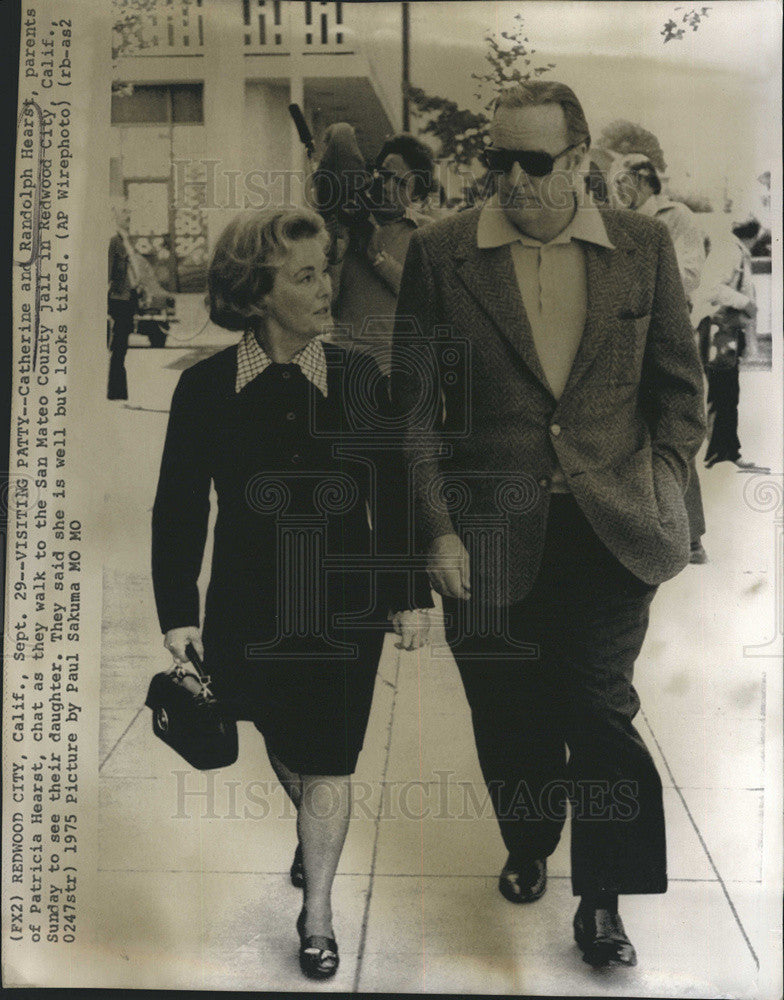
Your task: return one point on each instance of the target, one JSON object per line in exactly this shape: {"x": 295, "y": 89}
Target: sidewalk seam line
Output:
{"x": 702, "y": 842}
{"x": 122, "y": 736}
{"x": 376, "y": 833}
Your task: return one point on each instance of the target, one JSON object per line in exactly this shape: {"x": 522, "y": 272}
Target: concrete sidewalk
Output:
{"x": 194, "y": 866}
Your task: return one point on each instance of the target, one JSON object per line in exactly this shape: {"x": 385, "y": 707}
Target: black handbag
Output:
{"x": 187, "y": 716}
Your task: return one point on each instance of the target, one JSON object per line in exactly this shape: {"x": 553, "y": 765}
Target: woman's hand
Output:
{"x": 449, "y": 567}
{"x": 177, "y": 639}
{"x": 413, "y": 627}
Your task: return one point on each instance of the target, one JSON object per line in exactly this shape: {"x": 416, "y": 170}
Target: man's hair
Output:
{"x": 748, "y": 230}
{"x": 242, "y": 268}
{"x": 646, "y": 170}
{"x": 418, "y": 159}
{"x": 534, "y": 93}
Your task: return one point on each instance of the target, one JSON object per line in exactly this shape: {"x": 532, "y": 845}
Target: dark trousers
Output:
{"x": 723, "y": 372}
{"x": 723, "y": 396}
{"x": 122, "y": 312}
{"x": 586, "y": 619}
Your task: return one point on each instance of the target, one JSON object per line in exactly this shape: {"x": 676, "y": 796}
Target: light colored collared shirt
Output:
{"x": 687, "y": 237}
{"x": 252, "y": 360}
{"x": 552, "y": 281}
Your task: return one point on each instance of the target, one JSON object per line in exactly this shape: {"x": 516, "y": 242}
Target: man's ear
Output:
{"x": 577, "y": 156}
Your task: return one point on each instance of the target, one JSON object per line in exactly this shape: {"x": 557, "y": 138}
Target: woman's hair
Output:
{"x": 417, "y": 157}
{"x": 242, "y": 269}
{"x": 341, "y": 175}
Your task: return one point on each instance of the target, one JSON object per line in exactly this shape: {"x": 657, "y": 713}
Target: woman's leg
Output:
{"x": 322, "y": 824}
{"x": 122, "y": 313}
{"x": 290, "y": 780}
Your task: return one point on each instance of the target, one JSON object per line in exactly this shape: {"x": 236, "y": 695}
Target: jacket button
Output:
{"x": 285, "y": 373}
{"x": 555, "y": 430}
{"x": 291, "y": 415}
{"x": 295, "y": 459}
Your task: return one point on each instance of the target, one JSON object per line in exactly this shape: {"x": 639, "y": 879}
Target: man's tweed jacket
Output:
{"x": 483, "y": 429}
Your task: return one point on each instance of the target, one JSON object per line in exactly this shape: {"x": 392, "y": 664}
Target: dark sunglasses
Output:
{"x": 534, "y": 162}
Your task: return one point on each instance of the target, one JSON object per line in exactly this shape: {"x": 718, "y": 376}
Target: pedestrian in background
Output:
{"x": 364, "y": 310}
{"x": 637, "y": 186}
{"x": 340, "y": 193}
{"x": 122, "y": 305}
{"x": 725, "y": 313}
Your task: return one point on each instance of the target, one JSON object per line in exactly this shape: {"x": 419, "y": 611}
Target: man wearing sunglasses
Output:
{"x": 548, "y": 474}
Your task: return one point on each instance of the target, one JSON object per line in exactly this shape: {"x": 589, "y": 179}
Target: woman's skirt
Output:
{"x": 310, "y": 697}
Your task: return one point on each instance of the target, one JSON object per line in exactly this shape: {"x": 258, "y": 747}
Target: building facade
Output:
{"x": 200, "y": 112}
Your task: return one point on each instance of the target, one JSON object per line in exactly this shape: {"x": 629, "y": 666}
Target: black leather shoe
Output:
{"x": 523, "y": 881}
{"x": 602, "y": 939}
{"x": 297, "y": 872}
{"x": 318, "y": 955}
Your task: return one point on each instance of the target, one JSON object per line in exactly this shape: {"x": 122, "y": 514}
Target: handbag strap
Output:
{"x": 198, "y": 666}
{"x": 195, "y": 659}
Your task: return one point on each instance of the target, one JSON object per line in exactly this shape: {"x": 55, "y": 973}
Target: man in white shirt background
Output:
{"x": 637, "y": 186}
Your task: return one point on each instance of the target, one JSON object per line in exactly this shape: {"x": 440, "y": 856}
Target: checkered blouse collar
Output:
{"x": 252, "y": 360}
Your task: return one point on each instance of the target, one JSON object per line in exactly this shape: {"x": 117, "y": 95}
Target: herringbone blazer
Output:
{"x": 483, "y": 430}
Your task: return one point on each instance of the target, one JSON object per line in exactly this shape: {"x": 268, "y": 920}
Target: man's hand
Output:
{"x": 413, "y": 627}
{"x": 176, "y": 639}
{"x": 449, "y": 567}
{"x": 728, "y": 298}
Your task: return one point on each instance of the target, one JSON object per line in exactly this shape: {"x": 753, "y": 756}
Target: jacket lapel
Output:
{"x": 610, "y": 275}
{"x": 489, "y": 276}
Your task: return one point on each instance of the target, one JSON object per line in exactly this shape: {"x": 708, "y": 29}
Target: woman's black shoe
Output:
{"x": 297, "y": 871}
{"x": 318, "y": 955}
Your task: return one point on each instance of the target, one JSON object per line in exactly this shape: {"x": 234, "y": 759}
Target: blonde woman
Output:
{"x": 263, "y": 422}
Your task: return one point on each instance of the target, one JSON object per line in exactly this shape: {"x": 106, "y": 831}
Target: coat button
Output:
{"x": 544, "y": 482}
{"x": 555, "y": 430}
{"x": 285, "y": 373}
{"x": 291, "y": 415}
{"x": 295, "y": 459}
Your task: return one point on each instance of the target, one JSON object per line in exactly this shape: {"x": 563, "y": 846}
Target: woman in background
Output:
{"x": 123, "y": 301}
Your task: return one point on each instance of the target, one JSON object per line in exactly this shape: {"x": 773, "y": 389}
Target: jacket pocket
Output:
{"x": 669, "y": 495}
{"x": 635, "y": 314}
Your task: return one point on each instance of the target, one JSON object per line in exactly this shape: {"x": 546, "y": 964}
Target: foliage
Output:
{"x": 462, "y": 133}
{"x": 506, "y": 60}
{"x": 131, "y": 30}
{"x": 693, "y": 16}
{"x": 459, "y": 131}
{"x": 128, "y": 29}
